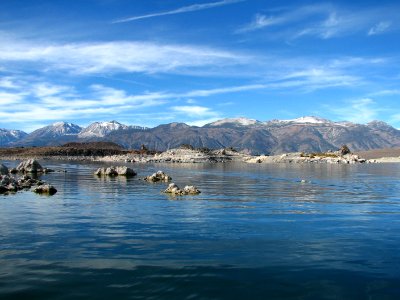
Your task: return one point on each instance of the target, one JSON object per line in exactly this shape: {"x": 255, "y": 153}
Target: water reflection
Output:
{"x": 336, "y": 234}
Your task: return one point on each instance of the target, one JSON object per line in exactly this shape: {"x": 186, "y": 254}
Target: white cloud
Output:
{"x": 194, "y": 110}
{"x": 357, "y": 111}
{"x": 181, "y": 10}
{"x": 8, "y": 83}
{"x": 379, "y": 28}
{"x": 10, "y": 98}
{"x": 113, "y": 57}
{"x": 202, "y": 122}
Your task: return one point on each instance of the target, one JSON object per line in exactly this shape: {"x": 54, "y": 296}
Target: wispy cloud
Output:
{"x": 260, "y": 21}
{"x": 181, "y": 10}
{"x": 380, "y": 28}
{"x": 386, "y": 93}
{"x": 323, "y": 21}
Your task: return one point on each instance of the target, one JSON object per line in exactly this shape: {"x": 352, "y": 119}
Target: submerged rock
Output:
{"x": 173, "y": 189}
{"x": 115, "y": 171}
{"x": 45, "y": 189}
{"x": 158, "y": 176}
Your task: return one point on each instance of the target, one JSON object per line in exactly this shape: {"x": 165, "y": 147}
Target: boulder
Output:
{"x": 30, "y": 166}
{"x": 115, "y": 171}
{"x": 158, "y": 176}
{"x": 3, "y": 170}
{"x": 45, "y": 189}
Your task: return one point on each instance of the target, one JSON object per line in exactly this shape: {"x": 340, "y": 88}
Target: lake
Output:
{"x": 255, "y": 232}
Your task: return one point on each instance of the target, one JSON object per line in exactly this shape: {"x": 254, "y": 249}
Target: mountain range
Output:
{"x": 308, "y": 134}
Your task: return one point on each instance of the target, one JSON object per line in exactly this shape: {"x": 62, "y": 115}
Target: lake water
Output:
{"x": 255, "y": 232}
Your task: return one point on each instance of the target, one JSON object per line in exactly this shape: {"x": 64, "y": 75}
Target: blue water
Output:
{"x": 255, "y": 232}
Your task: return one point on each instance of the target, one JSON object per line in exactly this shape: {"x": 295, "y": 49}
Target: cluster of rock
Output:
{"x": 115, "y": 171}
{"x": 159, "y": 176}
{"x": 174, "y": 190}
{"x": 9, "y": 184}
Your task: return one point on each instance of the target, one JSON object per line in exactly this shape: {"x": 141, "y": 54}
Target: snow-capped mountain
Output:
{"x": 101, "y": 129}
{"x": 234, "y": 122}
{"x": 54, "y": 134}
{"x": 10, "y": 136}
{"x": 58, "y": 129}
{"x": 307, "y": 134}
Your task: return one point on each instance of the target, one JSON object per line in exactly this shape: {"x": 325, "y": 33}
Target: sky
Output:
{"x": 154, "y": 62}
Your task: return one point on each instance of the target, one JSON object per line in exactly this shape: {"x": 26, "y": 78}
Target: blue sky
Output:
{"x": 152, "y": 62}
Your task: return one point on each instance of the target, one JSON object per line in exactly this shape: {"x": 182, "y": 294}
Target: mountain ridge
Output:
{"x": 308, "y": 134}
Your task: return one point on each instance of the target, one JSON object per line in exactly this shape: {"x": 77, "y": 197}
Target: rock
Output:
{"x": 111, "y": 171}
{"x": 172, "y": 189}
{"x": 3, "y": 170}
{"x": 125, "y": 171}
{"x": 13, "y": 171}
{"x": 158, "y": 176}
{"x": 176, "y": 191}
{"x": 45, "y": 189}
{"x": 344, "y": 150}
{"x": 30, "y": 166}
{"x": 115, "y": 171}
{"x": 191, "y": 190}
{"x": 100, "y": 171}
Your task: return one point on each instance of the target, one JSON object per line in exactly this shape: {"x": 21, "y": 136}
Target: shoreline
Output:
{"x": 187, "y": 156}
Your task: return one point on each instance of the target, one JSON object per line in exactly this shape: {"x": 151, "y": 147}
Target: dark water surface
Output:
{"x": 255, "y": 232}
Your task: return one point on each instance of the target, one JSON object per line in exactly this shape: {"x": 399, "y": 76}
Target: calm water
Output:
{"x": 254, "y": 233}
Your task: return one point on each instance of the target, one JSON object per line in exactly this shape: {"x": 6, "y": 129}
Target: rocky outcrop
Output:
{"x": 159, "y": 176}
{"x": 174, "y": 190}
{"x": 115, "y": 171}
